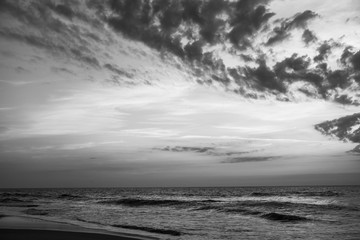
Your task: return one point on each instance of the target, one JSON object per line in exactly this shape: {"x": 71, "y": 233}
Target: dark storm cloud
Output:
{"x": 282, "y": 32}
{"x": 308, "y": 36}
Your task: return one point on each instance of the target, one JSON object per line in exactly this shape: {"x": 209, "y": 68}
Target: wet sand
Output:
{"x": 21, "y": 228}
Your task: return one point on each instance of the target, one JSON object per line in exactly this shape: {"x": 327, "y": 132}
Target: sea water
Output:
{"x": 326, "y": 212}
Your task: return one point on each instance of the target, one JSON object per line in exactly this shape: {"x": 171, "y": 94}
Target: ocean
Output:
{"x": 319, "y": 212}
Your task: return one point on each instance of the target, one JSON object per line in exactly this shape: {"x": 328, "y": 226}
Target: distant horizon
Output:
{"x": 261, "y": 186}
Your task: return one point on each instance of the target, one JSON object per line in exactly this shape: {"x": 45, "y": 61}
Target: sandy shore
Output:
{"x": 21, "y": 228}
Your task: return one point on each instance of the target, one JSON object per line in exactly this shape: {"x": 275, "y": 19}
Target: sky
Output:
{"x": 102, "y": 95}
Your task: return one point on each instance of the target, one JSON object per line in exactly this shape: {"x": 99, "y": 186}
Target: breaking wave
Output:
{"x": 283, "y": 217}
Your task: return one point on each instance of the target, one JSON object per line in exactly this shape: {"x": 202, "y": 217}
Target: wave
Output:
{"x": 283, "y": 217}
{"x": 136, "y": 202}
{"x": 263, "y": 194}
{"x": 243, "y": 211}
{"x": 68, "y": 196}
{"x": 321, "y": 194}
{"x": 15, "y": 194}
{"x": 37, "y": 212}
{"x": 150, "y": 229}
{"x": 287, "y": 204}
{"x": 11, "y": 200}
{"x": 230, "y": 206}
{"x": 134, "y": 227}
{"x": 298, "y": 193}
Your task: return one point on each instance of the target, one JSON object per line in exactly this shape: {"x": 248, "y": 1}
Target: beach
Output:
{"x": 19, "y": 227}
{"x": 306, "y": 212}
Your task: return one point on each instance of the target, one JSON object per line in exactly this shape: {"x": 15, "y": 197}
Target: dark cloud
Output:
{"x": 346, "y": 56}
{"x": 297, "y": 67}
{"x": 118, "y": 71}
{"x": 82, "y": 57}
{"x": 341, "y": 128}
{"x": 63, "y": 10}
{"x": 194, "y": 50}
{"x": 265, "y": 77}
{"x": 300, "y": 20}
{"x": 355, "y": 60}
{"x": 338, "y": 78}
{"x": 279, "y": 34}
{"x": 32, "y": 40}
{"x": 249, "y": 17}
{"x": 324, "y": 50}
{"x": 247, "y": 159}
{"x": 314, "y": 77}
{"x": 308, "y": 36}
{"x": 295, "y": 62}
{"x": 187, "y": 149}
{"x": 172, "y": 16}
{"x": 247, "y": 58}
{"x": 62, "y": 69}
{"x": 356, "y": 149}
{"x": 345, "y": 100}
{"x": 282, "y": 32}
{"x": 322, "y": 66}
{"x": 209, "y": 31}
{"x": 192, "y": 11}
{"x": 212, "y": 7}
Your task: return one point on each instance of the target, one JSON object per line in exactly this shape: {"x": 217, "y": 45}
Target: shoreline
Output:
{"x": 22, "y": 227}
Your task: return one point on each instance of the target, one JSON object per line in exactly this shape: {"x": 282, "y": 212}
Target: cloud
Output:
{"x": 63, "y": 10}
{"x": 324, "y": 50}
{"x": 248, "y": 18}
{"x": 346, "y": 56}
{"x": 355, "y": 60}
{"x": 295, "y": 63}
{"x": 308, "y": 36}
{"x": 118, "y": 71}
{"x": 187, "y": 149}
{"x": 338, "y": 78}
{"x": 279, "y": 35}
{"x": 282, "y": 32}
{"x": 194, "y": 50}
{"x": 247, "y": 159}
{"x": 265, "y": 77}
{"x": 300, "y": 20}
{"x": 85, "y": 58}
